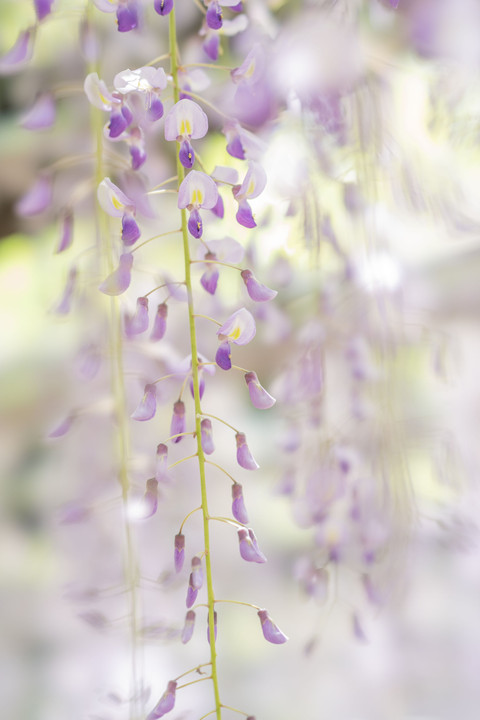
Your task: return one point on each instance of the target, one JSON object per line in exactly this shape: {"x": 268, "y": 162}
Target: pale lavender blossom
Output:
{"x": 239, "y": 328}
{"x": 119, "y": 280}
{"x": 62, "y": 427}
{"x": 137, "y": 323}
{"x": 197, "y": 573}
{"x": 189, "y": 626}
{"x": 37, "y": 199}
{"x": 207, "y": 436}
{"x": 250, "y": 71}
{"x": 179, "y": 552}
{"x": 239, "y": 510}
{"x": 197, "y": 190}
{"x": 41, "y": 115}
{"x": 210, "y": 277}
{"x": 184, "y": 122}
{"x": 98, "y": 94}
{"x": 165, "y": 704}
{"x": 148, "y": 81}
{"x": 252, "y": 185}
{"x": 271, "y": 631}
{"x": 244, "y": 457}
{"x": 150, "y": 499}
{"x": 177, "y": 425}
{"x": 116, "y": 204}
{"x": 160, "y": 322}
{"x": 248, "y": 546}
{"x": 148, "y": 404}
{"x": 256, "y": 290}
{"x": 260, "y": 398}
{"x": 241, "y": 143}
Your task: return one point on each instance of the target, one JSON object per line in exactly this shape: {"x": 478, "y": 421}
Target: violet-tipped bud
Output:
{"x": 257, "y": 291}
{"x": 260, "y": 398}
{"x": 244, "y": 457}
{"x": 223, "y": 357}
{"x": 161, "y": 471}
{"x": 192, "y": 592}
{"x": 179, "y": 552}
{"x": 197, "y": 573}
{"x": 148, "y": 404}
{"x": 214, "y": 627}
{"x": 239, "y": 511}
{"x": 178, "y": 420}
{"x": 150, "y": 498}
{"x": 189, "y": 627}
{"x": 271, "y": 632}
{"x": 166, "y": 702}
{"x": 248, "y": 545}
{"x": 160, "y": 322}
{"x": 207, "y": 436}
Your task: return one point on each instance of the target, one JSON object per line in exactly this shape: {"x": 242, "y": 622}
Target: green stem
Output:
{"x": 196, "y": 386}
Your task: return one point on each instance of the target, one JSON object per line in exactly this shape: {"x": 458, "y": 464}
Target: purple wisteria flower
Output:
{"x": 214, "y": 627}
{"x": 37, "y": 199}
{"x": 207, "y": 436}
{"x": 248, "y": 546}
{"x": 148, "y": 404}
{"x": 150, "y": 498}
{"x": 20, "y": 54}
{"x": 211, "y": 43}
{"x": 177, "y": 425}
{"x": 43, "y": 8}
{"x": 137, "y": 323}
{"x": 241, "y": 143}
{"x": 223, "y": 356}
{"x": 271, "y": 632}
{"x": 252, "y": 185}
{"x": 189, "y": 626}
{"x": 192, "y": 593}
{"x": 184, "y": 122}
{"x": 163, "y": 7}
{"x": 41, "y": 115}
{"x": 239, "y": 510}
{"x": 244, "y": 457}
{"x": 260, "y": 398}
{"x": 147, "y": 81}
{"x": 126, "y": 11}
{"x": 239, "y": 328}
{"x": 179, "y": 552}
{"x": 66, "y": 234}
{"x": 161, "y": 462}
{"x": 160, "y": 322}
{"x": 119, "y": 280}
{"x": 166, "y": 702}
{"x": 225, "y": 250}
{"x": 251, "y": 69}
{"x": 257, "y": 291}
{"x": 116, "y": 204}
{"x": 197, "y": 573}
{"x": 197, "y": 190}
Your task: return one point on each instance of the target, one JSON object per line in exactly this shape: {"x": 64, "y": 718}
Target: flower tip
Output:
{"x": 271, "y": 631}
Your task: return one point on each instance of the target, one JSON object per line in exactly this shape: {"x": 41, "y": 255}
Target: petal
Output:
{"x": 66, "y": 235}
{"x": 239, "y": 510}
{"x": 214, "y": 16}
{"x": 191, "y": 593}
{"x": 62, "y": 428}
{"x": 150, "y": 498}
{"x": 166, "y": 702}
{"x": 244, "y": 457}
{"x": 186, "y": 155}
{"x": 139, "y": 322}
{"x": 186, "y": 120}
{"x": 189, "y": 627}
{"x": 211, "y": 45}
{"x": 148, "y": 404}
{"x": 112, "y": 200}
{"x": 271, "y": 632}
{"x": 197, "y": 573}
{"x": 177, "y": 425}
{"x": 118, "y": 123}
{"x": 179, "y": 552}
{"x": 98, "y": 93}
{"x": 197, "y": 190}
{"x": 248, "y": 546}
{"x": 138, "y": 155}
{"x": 195, "y": 224}
{"x": 37, "y": 199}
{"x": 244, "y": 215}
{"x": 63, "y": 307}
{"x": 160, "y": 322}
{"x": 219, "y": 209}
{"x": 257, "y": 291}
{"x": 130, "y": 230}
{"x": 43, "y": 8}
{"x": 19, "y": 54}
{"x": 163, "y": 7}
{"x": 155, "y": 108}
{"x": 143, "y": 79}
{"x": 253, "y": 183}
{"x": 239, "y": 328}
{"x": 223, "y": 356}
{"x": 250, "y": 71}
{"x": 260, "y": 398}
{"x": 209, "y": 280}
{"x": 119, "y": 280}
{"x": 127, "y": 17}
{"x": 41, "y": 115}
{"x": 227, "y": 249}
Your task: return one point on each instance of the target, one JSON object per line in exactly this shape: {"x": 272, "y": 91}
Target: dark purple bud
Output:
{"x": 223, "y": 356}
{"x": 192, "y": 592}
{"x": 218, "y": 209}
{"x": 271, "y": 632}
{"x": 130, "y": 230}
{"x": 197, "y": 573}
{"x": 41, "y": 115}
{"x": 117, "y": 124}
{"x": 166, "y": 702}
{"x": 127, "y": 17}
{"x": 178, "y": 420}
{"x": 155, "y": 108}
{"x": 248, "y": 545}
{"x": 66, "y": 235}
{"x": 239, "y": 510}
{"x": 148, "y": 405}
{"x": 260, "y": 398}
{"x": 138, "y": 156}
{"x": 43, "y": 8}
{"x": 207, "y": 436}
{"x": 244, "y": 457}
{"x": 211, "y": 46}
{"x": 214, "y": 627}
{"x": 244, "y": 215}
{"x": 186, "y": 155}
{"x": 163, "y": 7}
{"x": 235, "y": 148}
{"x": 160, "y": 322}
{"x": 138, "y": 323}
{"x": 37, "y": 199}
{"x": 195, "y": 225}
{"x": 151, "y": 498}
{"x": 189, "y": 626}
{"x": 214, "y": 16}
{"x": 257, "y": 291}
{"x": 179, "y": 552}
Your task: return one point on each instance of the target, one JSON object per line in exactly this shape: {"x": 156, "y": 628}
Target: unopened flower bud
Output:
{"x": 166, "y": 702}
{"x": 119, "y": 280}
{"x": 148, "y": 404}
{"x": 260, "y": 398}
{"x": 192, "y": 592}
{"x": 271, "y": 632}
{"x": 160, "y": 322}
{"x": 197, "y": 573}
{"x": 223, "y": 357}
{"x": 207, "y": 436}
{"x": 178, "y": 420}
{"x": 249, "y": 549}
{"x": 138, "y": 323}
{"x": 161, "y": 473}
{"x": 151, "y": 498}
{"x": 189, "y": 626}
{"x": 257, "y": 291}
{"x": 244, "y": 457}
{"x": 239, "y": 511}
{"x": 179, "y": 552}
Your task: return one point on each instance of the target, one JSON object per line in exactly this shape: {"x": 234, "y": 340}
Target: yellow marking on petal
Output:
{"x": 250, "y": 70}
{"x": 188, "y": 126}
{"x": 235, "y": 334}
{"x": 182, "y": 128}
{"x": 116, "y": 203}
{"x": 200, "y": 197}
{"x": 251, "y": 187}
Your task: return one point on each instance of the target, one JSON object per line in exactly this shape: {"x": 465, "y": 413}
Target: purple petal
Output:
{"x": 248, "y": 546}
{"x": 19, "y": 54}
{"x": 119, "y": 280}
{"x": 244, "y": 457}
{"x": 211, "y": 45}
{"x": 214, "y": 627}
{"x": 118, "y": 123}
{"x": 66, "y": 236}
{"x": 239, "y": 510}
{"x": 62, "y": 428}
{"x": 195, "y": 225}
{"x": 178, "y": 420}
{"x": 160, "y": 322}
{"x": 166, "y": 702}
{"x": 43, "y": 8}
{"x": 218, "y": 209}
{"x": 197, "y": 573}
{"x": 260, "y": 398}
{"x": 189, "y": 626}
{"x": 186, "y": 155}
{"x": 209, "y": 279}
{"x": 239, "y": 328}
{"x": 179, "y": 552}
{"x": 155, "y": 109}
{"x": 163, "y": 7}
{"x": 214, "y": 16}
{"x": 244, "y": 215}
{"x": 257, "y": 291}
{"x": 235, "y": 148}
{"x": 150, "y": 498}
{"x": 63, "y": 307}
{"x": 127, "y": 17}
{"x": 37, "y": 199}
{"x": 138, "y": 155}
{"x": 130, "y": 230}
{"x": 223, "y": 356}
{"x": 41, "y": 115}
{"x": 207, "y": 436}
{"x": 148, "y": 404}
{"x": 192, "y": 593}
{"x": 271, "y": 632}
{"x": 139, "y": 322}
